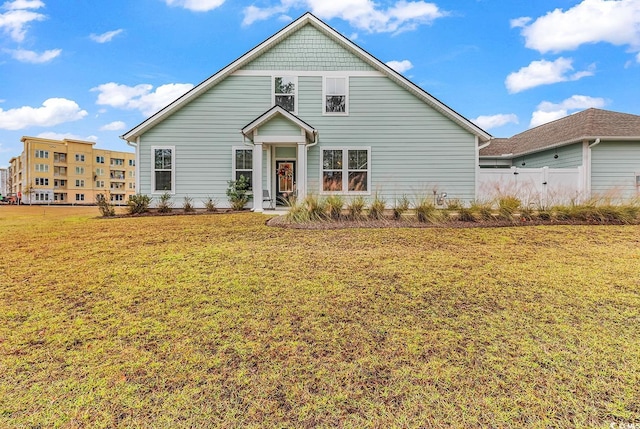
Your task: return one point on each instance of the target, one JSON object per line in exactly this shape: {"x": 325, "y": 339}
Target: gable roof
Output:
{"x": 306, "y": 19}
{"x": 310, "y": 132}
{"x": 590, "y": 124}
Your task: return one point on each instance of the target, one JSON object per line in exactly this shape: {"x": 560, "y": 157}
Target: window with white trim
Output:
{"x": 79, "y": 183}
{"x": 79, "y": 157}
{"x": 284, "y": 92}
{"x": 79, "y": 170}
{"x": 163, "y": 169}
{"x": 99, "y": 183}
{"x": 99, "y": 171}
{"x": 336, "y": 95}
{"x": 42, "y": 154}
{"x": 132, "y": 163}
{"x": 346, "y": 170}
{"x": 42, "y": 168}
{"x": 100, "y": 159}
{"x": 243, "y": 164}
{"x": 42, "y": 181}
{"x": 79, "y": 197}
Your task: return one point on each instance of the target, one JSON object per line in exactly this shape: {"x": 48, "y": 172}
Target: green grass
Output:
{"x": 222, "y": 321}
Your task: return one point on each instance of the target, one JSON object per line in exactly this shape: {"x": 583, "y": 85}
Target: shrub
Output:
{"x": 104, "y": 205}
{"x": 138, "y": 203}
{"x": 238, "y": 193}
{"x": 334, "y": 205}
{"x": 165, "y": 205}
{"x": 187, "y": 205}
{"x": 356, "y": 208}
{"x": 210, "y": 204}
{"x": 376, "y": 209}
{"x": 401, "y": 207}
{"x": 426, "y": 211}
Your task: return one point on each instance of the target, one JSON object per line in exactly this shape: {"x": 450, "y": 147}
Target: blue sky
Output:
{"x": 92, "y": 70}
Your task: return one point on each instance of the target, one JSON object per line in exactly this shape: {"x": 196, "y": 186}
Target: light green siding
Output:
{"x": 308, "y": 49}
{"x": 279, "y": 126}
{"x": 614, "y": 166}
{"x": 568, "y": 157}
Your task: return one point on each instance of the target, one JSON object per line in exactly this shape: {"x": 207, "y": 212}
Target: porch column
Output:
{"x": 301, "y": 173}
{"x": 257, "y": 177}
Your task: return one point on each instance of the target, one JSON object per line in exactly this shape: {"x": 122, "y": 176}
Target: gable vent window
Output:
{"x": 335, "y": 95}
{"x": 285, "y": 92}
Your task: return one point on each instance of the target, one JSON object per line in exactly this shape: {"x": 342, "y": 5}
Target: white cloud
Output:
{"x": 638, "y": 57}
{"x": 105, "y": 37}
{"x": 196, "y": 5}
{"x": 26, "y": 56}
{"x": 15, "y": 21}
{"x": 495, "y": 121}
{"x": 362, "y": 14}
{"x": 400, "y": 66}
{"x": 544, "y": 72}
{"x": 519, "y": 22}
{"x": 61, "y": 136}
{"x": 54, "y": 111}
{"x": 140, "y": 97}
{"x": 548, "y": 111}
{"x": 113, "y": 126}
{"x": 591, "y": 21}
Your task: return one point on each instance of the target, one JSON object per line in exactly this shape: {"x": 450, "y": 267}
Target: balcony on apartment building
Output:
{"x": 117, "y": 175}
{"x": 59, "y": 184}
{"x": 59, "y": 171}
{"x": 59, "y": 158}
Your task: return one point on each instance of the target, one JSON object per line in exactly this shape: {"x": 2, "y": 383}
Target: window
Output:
{"x": 42, "y": 181}
{"x": 40, "y": 196}
{"x": 79, "y": 183}
{"x": 99, "y": 171}
{"x": 117, "y": 197}
{"x": 79, "y": 157}
{"x": 42, "y": 168}
{"x": 42, "y": 154}
{"x": 117, "y": 161}
{"x": 285, "y": 92}
{"x": 132, "y": 163}
{"x": 79, "y": 170}
{"x": 132, "y": 185}
{"x": 132, "y": 173}
{"x": 163, "y": 169}
{"x": 100, "y": 159}
{"x": 345, "y": 170}
{"x": 243, "y": 164}
{"x": 99, "y": 183}
{"x": 335, "y": 95}
{"x": 79, "y": 197}
{"x": 59, "y": 157}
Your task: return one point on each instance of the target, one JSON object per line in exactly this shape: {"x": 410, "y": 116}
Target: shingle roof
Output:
{"x": 589, "y": 124}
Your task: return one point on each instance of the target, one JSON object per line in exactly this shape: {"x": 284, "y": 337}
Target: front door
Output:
{"x": 285, "y": 180}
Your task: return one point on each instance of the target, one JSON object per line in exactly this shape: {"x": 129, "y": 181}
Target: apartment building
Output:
{"x": 70, "y": 172}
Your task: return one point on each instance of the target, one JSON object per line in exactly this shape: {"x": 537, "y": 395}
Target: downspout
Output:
{"x": 595, "y": 143}
{"x": 137, "y": 170}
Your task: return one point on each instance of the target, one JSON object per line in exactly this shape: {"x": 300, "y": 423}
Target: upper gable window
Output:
{"x": 284, "y": 92}
{"x": 336, "y": 91}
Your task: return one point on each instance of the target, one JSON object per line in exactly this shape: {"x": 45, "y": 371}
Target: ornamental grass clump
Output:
{"x": 316, "y": 207}
{"x": 334, "y": 205}
{"x": 401, "y": 207}
{"x": 356, "y": 208}
{"x": 297, "y": 212}
{"x": 482, "y": 210}
{"x": 507, "y": 207}
{"x": 456, "y": 209}
{"x": 376, "y": 209}
{"x": 426, "y": 212}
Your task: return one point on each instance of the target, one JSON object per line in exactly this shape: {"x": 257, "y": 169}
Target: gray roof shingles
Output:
{"x": 588, "y": 124}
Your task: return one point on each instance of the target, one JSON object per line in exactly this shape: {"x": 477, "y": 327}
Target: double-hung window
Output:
{"x": 346, "y": 170}
{"x": 284, "y": 92}
{"x": 163, "y": 169}
{"x": 243, "y": 164}
{"x": 336, "y": 95}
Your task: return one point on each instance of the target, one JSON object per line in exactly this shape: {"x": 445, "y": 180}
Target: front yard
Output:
{"x": 222, "y": 321}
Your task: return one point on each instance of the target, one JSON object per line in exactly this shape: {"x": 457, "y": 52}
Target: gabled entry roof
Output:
{"x": 306, "y": 19}
{"x": 309, "y": 131}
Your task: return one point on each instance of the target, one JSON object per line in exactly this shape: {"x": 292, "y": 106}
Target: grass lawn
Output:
{"x": 222, "y": 321}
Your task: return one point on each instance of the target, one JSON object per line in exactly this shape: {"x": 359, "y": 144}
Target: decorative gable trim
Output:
{"x": 309, "y": 132}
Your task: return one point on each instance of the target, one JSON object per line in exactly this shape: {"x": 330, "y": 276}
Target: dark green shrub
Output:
{"x": 238, "y": 193}
{"x": 164, "y": 204}
{"x": 138, "y": 203}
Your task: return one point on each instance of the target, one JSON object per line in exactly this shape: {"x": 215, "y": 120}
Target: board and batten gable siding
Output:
{"x": 414, "y": 148}
{"x": 569, "y": 156}
{"x": 203, "y": 133}
{"x": 614, "y": 166}
{"x": 308, "y": 49}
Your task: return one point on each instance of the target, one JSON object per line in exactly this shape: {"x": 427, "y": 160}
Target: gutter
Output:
{"x": 595, "y": 143}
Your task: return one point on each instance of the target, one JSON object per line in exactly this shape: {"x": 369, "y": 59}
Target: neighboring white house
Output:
{"x": 309, "y": 112}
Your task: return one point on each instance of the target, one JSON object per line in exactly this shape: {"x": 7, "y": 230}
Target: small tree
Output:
{"x": 238, "y": 193}
{"x": 105, "y": 206}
